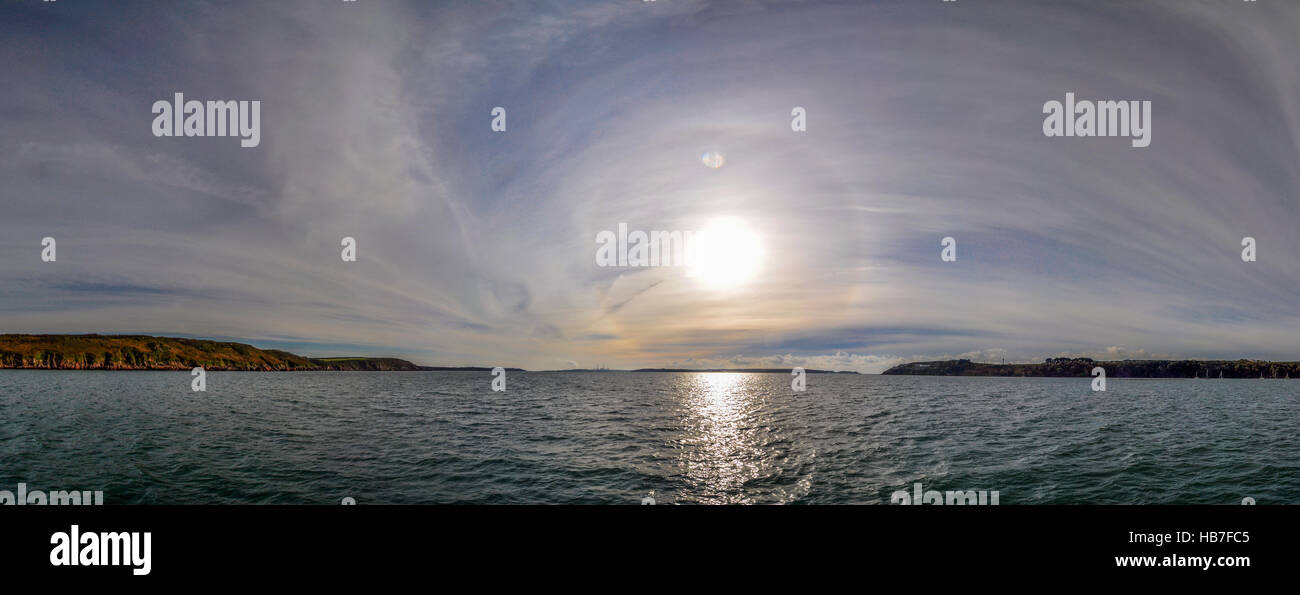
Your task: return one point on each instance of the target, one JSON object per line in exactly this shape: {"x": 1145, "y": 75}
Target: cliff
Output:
{"x": 142, "y": 352}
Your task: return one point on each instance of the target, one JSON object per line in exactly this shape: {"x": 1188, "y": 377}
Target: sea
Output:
{"x": 623, "y": 438}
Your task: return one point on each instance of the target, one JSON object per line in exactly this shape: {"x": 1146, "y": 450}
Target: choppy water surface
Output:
{"x": 445, "y": 437}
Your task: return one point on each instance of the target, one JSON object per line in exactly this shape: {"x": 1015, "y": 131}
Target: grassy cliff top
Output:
{"x": 144, "y": 352}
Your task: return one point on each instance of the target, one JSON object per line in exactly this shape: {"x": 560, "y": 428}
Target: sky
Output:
{"x": 924, "y": 120}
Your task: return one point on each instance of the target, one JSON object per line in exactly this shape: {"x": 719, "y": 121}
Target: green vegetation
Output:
{"x": 143, "y": 352}
{"x": 378, "y": 364}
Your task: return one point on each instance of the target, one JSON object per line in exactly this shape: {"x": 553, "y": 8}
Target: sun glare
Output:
{"x": 727, "y": 254}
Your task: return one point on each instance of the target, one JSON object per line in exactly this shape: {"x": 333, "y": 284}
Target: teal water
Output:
{"x": 609, "y": 438}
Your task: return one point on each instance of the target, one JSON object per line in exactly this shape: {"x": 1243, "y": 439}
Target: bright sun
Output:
{"x": 727, "y": 254}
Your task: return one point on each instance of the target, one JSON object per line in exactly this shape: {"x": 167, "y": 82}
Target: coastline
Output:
{"x": 1064, "y": 367}
{"x": 151, "y": 353}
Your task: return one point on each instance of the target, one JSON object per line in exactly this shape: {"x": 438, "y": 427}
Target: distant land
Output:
{"x": 1066, "y": 367}
{"x": 144, "y": 352}
{"x": 743, "y": 370}
{"x": 710, "y": 370}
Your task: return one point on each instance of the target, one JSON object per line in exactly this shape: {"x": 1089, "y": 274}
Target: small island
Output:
{"x": 144, "y": 352}
{"x": 1070, "y": 367}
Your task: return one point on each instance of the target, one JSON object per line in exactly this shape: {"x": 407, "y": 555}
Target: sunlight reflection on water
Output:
{"x": 727, "y": 437}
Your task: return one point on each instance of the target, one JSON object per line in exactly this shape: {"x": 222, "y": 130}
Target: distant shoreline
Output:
{"x": 1064, "y": 367}
{"x": 703, "y": 370}
{"x": 147, "y": 353}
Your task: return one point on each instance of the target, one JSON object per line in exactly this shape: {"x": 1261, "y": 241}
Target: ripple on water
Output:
{"x": 444, "y": 437}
